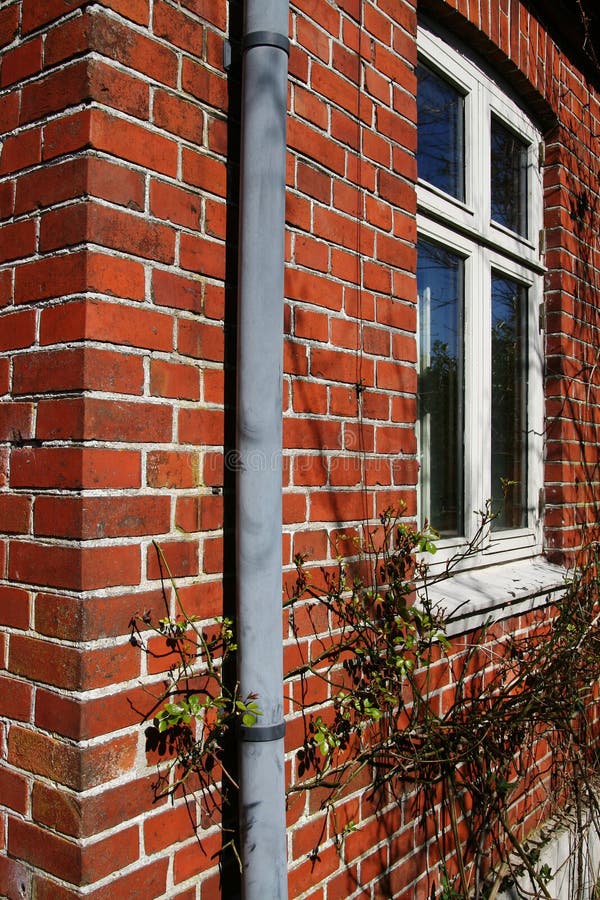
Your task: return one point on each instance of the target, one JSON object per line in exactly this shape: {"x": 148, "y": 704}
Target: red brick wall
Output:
{"x": 117, "y": 273}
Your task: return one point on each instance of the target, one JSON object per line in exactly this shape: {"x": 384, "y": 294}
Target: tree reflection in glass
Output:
{"x": 440, "y": 386}
{"x": 440, "y": 151}
{"x": 509, "y": 178}
{"x": 509, "y": 407}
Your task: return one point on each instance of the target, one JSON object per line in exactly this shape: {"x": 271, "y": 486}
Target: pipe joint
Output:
{"x": 262, "y": 733}
{"x": 266, "y": 39}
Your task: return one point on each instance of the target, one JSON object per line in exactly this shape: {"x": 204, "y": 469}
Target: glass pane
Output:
{"x": 509, "y": 403}
{"x": 440, "y": 386}
{"x": 509, "y": 179}
{"x": 440, "y": 129}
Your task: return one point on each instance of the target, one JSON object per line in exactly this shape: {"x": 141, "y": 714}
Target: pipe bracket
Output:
{"x": 262, "y": 733}
{"x": 266, "y": 39}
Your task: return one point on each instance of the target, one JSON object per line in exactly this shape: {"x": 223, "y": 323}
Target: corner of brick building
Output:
{"x": 100, "y": 427}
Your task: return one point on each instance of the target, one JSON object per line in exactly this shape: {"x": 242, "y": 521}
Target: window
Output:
{"x": 479, "y": 293}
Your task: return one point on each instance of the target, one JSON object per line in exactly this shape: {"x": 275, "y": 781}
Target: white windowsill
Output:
{"x": 496, "y": 592}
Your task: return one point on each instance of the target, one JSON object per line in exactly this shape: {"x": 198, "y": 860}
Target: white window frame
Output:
{"x": 466, "y": 229}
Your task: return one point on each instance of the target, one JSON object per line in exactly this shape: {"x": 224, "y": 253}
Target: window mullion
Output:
{"x": 477, "y": 389}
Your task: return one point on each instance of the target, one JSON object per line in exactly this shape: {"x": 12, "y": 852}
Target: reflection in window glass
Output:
{"x": 509, "y": 402}
{"x": 440, "y": 389}
{"x": 509, "y": 178}
{"x": 440, "y": 115}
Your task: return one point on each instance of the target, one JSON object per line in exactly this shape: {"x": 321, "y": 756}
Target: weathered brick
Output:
{"x": 74, "y": 568}
{"x": 88, "y": 419}
{"x": 100, "y": 517}
{"x": 96, "y": 320}
{"x": 67, "y": 764}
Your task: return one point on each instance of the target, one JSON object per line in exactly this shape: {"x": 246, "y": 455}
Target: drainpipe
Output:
{"x": 259, "y": 445}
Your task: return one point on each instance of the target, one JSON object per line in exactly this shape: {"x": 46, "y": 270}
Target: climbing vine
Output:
{"x": 476, "y": 730}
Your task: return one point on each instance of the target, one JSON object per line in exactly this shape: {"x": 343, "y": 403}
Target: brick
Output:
{"x": 80, "y": 368}
{"x": 201, "y": 426}
{"x": 74, "y": 619}
{"x": 174, "y": 380}
{"x": 17, "y": 330}
{"x": 55, "y": 92}
{"x": 308, "y": 397}
{"x": 178, "y": 116}
{"x": 311, "y": 254}
{"x": 116, "y": 183}
{"x": 314, "y": 434}
{"x": 309, "y": 287}
{"x": 15, "y": 604}
{"x": 214, "y": 301}
{"x": 66, "y": 40}
{"x": 100, "y": 517}
{"x": 181, "y": 557}
{"x": 211, "y": 10}
{"x": 212, "y": 556}
{"x": 295, "y": 358}
{"x": 108, "y": 227}
{"x": 334, "y": 365}
{"x": 9, "y": 24}
{"x": 109, "y": 855}
{"x": 34, "y": 15}
{"x": 310, "y": 470}
{"x": 77, "y": 768}
{"x": 74, "y": 816}
{"x": 7, "y": 195}
{"x": 96, "y": 320}
{"x": 74, "y": 468}
{"x": 310, "y": 107}
{"x": 396, "y": 376}
{"x": 89, "y": 418}
{"x": 15, "y": 698}
{"x": 200, "y": 340}
{"x": 137, "y": 50}
{"x": 118, "y": 90}
{"x": 69, "y": 717}
{"x": 14, "y": 513}
{"x": 17, "y": 240}
{"x": 204, "y": 172}
{"x": 194, "y": 859}
{"x": 73, "y": 568}
{"x": 9, "y": 113}
{"x": 14, "y": 790}
{"x": 207, "y": 86}
{"x": 199, "y": 254}
{"x": 4, "y": 375}
{"x": 135, "y": 10}
{"x": 62, "y": 715}
{"x": 175, "y": 204}
{"x": 44, "y": 849}
{"x": 70, "y": 668}
{"x": 6, "y": 287}
{"x": 21, "y": 62}
{"x": 132, "y": 142}
{"x": 178, "y": 28}
{"x": 317, "y": 147}
{"x": 173, "y": 290}
{"x": 146, "y": 881}
{"x": 16, "y": 421}
{"x": 67, "y": 133}
{"x": 56, "y": 808}
{"x": 312, "y": 325}
{"x": 199, "y": 513}
{"x": 46, "y": 278}
{"x": 167, "y": 468}
{"x": 19, "y": 151}
{"x": 53, "y": 184}
{"x": 169, "y": 827}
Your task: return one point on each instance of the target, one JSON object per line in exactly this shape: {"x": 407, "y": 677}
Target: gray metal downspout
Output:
{"x": 259, "y": 444}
